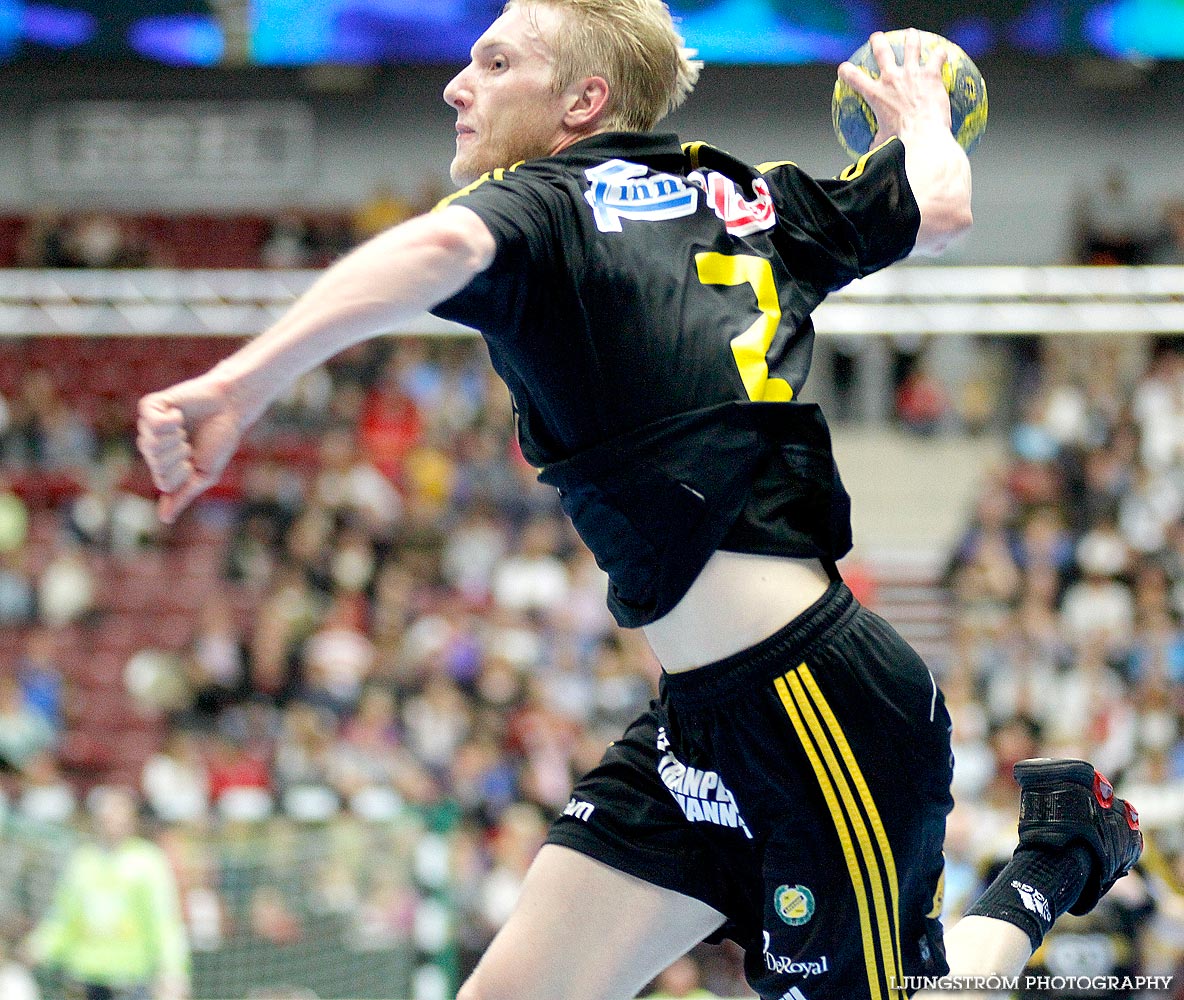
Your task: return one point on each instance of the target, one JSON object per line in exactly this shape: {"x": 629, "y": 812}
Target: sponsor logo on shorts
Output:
{"x": 794, "y": 994}
{"x": 701, "y": 795}
{"x": 1034, "y": 900}
{"x": 579, "y": 809}
{"x": 794, "y": 904}
{"x": 784, "y": 965}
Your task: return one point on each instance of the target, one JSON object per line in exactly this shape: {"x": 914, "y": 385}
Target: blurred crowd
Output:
{"x": 381, "y": 638}
{"x": 1068, "y": 592}
{"x": 290, "y": 238}
{"x": 1112, "y": 225}
{"x": 398, "y": 621}
{"x": 1108, "y": 223}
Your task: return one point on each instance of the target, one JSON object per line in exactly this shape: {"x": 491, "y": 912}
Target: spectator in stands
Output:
{"x": 14, "y": 518}
{"x": 216, "y": 660}
{"x": 115, "y": 924}
{"x": 372, "y": 732}
{"x": 1158, "y": 408}
{"x": 516, "y": 840}
{"x": 305, "y": 753}
{"x": 1154, "y": 501}
{"x": 619, "y": 684}
{"x": 548, "y": 741}
{"x": 18, "y": 600}
{"x": 16, "y": 981}
{"x": 110, "y": 518}
{"x": 288, "y": 243}
{"x": 1099, "y": 606}
{"x": 436, "y": 721}
{"x": 99, "y": 240}
{"x": 337, "y": 658}
{"x": 350, "y": 485}
{"x": 682, "y": 980}
{"x": 533, "y": 578}
{"x": 66, "y": 587}
{"x": 273, "y": 918}
{"x": 1112, "y": 227}
{"x": 175, "y": 781}
{"x": 922, "y": 403}
{"x": 386, "y": 917}
{"x": 391, "y": 425}
{"x": 233, "y": 768}
{"x": 24, "y": 732}
{"x": 482, "y": 779}
{"x": 1170, "y": 249}
{"x": 380, "y": 210}
{"x": 46, "y": 797}
{"x": 39, "y": 676}
{"x": 46, "y": 241}
{"x": 286, "y": 617}
{"x": 45, "y": 432}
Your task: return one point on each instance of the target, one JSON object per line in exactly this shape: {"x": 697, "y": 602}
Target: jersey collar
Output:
{"x": 656, "y": 149}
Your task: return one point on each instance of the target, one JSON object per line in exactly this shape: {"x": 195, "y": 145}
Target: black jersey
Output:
{"x": 649, "y": 307}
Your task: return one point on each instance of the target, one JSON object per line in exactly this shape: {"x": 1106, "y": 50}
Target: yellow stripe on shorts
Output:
{"x": 825, "y": 744}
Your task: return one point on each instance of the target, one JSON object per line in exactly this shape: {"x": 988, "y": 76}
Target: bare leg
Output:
{"x": 982, "y": 946}
{"x": 585, "y": 931}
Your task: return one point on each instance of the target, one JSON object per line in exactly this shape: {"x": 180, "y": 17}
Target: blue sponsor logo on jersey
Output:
{"x": 621, "y": 190}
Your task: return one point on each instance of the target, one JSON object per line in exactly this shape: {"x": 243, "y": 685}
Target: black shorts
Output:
{"x": 800, "y": 788}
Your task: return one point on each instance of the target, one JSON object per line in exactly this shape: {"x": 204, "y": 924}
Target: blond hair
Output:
{"x": 634, "y": 46}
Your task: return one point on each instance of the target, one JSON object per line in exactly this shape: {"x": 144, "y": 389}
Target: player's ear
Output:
{"x": 587, "y": 100}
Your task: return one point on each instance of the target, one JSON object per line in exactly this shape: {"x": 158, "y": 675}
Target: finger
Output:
{"x": 158, "y": 412}
{"x": 912, "y": 47}
{"x": 164, "y": 431}
{"x": 882, "y": 50}
{"x": 171, "y": 476}
{"x": 173, "y": 503}
{"x": 171, "y": 471}
{"x": 163, "y": 447}
{"x": 938, "y": 58}
{"x": 857, "y": 78}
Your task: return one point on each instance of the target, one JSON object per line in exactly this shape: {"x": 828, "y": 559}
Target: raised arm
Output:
{"x": 188, "y": 433}
{"x": 910, "y": 101}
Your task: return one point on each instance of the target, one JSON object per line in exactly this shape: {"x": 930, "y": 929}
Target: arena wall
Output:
{"x": 1053, "y": 131}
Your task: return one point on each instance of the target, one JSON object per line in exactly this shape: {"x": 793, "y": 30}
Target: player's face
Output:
{"x": 506, "y": 110}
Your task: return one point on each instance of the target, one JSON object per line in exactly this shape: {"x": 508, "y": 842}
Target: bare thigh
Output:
{"x": 584, "y": 931}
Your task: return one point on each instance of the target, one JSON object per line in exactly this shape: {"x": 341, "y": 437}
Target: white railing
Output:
{"x": 907, "y": 299}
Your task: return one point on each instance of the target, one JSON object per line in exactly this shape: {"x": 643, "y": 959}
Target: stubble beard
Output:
{"x": 521, "y": 143}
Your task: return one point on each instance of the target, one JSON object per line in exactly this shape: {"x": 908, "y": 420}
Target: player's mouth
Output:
{"x": 463, "y": 131}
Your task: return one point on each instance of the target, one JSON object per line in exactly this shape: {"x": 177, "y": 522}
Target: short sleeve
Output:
{"x": 515, "y": 207}
{"x": 835, "y": 231}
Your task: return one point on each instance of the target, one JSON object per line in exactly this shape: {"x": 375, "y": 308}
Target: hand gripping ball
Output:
{"x": 855, "y": 124}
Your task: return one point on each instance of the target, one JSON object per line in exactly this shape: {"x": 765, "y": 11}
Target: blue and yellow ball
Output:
{"x": 855, "y": 123}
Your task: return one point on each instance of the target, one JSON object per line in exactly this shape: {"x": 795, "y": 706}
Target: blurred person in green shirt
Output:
{"x": 115, "y": 924}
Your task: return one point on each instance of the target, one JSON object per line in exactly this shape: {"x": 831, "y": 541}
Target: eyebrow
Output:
{"x": 492, "y": 43}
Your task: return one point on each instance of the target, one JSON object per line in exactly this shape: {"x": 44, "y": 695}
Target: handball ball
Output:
{"x": 855, "y": 124}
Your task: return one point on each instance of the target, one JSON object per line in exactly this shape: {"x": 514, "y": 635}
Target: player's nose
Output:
{"x": 457, "y": 93}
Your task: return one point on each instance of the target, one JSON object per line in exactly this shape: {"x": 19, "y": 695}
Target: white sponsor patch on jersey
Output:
{"x": 621, "y": 190}
{"x": 701, "y": 795}
{"x": 742, "y": 216}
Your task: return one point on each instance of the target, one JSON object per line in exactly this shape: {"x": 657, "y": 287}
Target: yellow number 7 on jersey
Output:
{"x": 751, "y": 347}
